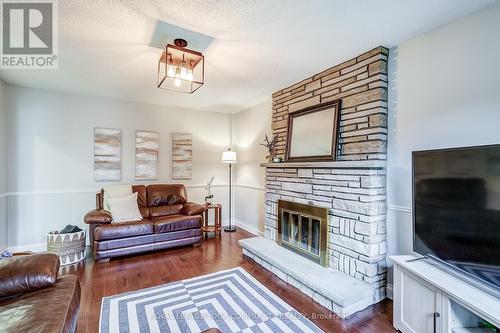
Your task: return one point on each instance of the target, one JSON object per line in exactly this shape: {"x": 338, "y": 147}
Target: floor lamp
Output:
{"x": 229, "y": 157}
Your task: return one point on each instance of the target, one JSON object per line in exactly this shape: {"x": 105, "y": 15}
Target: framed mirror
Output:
{"x": 312, "y": 133}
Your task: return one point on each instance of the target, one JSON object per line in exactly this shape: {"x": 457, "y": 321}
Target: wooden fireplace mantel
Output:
{"x": 375, "y": 164}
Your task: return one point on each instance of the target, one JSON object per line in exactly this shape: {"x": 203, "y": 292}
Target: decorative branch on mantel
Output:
{"x": 271, "y": 147}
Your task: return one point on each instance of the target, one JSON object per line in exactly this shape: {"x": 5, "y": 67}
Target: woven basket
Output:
{"x": 69, "y": 247}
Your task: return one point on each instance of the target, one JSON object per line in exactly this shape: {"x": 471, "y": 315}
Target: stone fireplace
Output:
{"x": 304, "y": 230}
{"x": 351, "y": 189}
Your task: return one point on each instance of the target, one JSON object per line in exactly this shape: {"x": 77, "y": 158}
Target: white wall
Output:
{"x": 444, "y": 92}
{"x": 50, "y": 150}
{"x": 3, "y": 171}
{"x": 249, "y": 128}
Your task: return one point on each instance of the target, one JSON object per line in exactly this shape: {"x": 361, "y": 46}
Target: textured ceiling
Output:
{"x": 252, "y": 47}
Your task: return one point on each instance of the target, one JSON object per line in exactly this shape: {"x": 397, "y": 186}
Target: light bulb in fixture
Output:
{"x": 184, "y": 73}
{"x": 190, "y": 75}
{"x": 177, "y": 82}
{"x": 183, "y": 68}
{"x": 177, "y": 72}
{"x": 170, "y": 70}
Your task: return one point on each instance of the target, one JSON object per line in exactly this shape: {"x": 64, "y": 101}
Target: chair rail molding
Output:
{"x": 399, "y": 208}
{"x": 89, "y": 190}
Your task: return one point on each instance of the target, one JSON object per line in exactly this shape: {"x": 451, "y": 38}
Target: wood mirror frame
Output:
{"x": 335, "y": 125}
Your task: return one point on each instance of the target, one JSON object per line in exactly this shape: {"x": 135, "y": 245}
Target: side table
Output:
{"x": 217, "y": 226}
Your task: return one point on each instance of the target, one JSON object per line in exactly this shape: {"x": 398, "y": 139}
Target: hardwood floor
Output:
{"x": 152, "y": 269}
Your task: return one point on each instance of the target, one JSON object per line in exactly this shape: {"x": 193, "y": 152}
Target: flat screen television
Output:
{"x": 456, "y": 211}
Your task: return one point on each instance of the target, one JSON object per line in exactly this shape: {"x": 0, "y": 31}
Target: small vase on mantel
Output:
{"x": 270, "y": 157}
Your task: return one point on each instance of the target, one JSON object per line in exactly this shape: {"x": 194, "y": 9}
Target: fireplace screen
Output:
{"x": 303, "y": 229}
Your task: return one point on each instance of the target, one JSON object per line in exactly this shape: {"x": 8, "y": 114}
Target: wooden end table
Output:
{"x": 217, "y": 226}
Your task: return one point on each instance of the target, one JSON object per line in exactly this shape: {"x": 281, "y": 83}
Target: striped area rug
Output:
{"x": 231, "y": 300}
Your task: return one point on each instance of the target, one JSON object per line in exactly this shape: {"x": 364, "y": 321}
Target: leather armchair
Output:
{"x": 34, "y": 299}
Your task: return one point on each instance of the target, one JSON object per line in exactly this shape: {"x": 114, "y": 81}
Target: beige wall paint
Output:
{"x": 50, "y": 151}
{"x": 443, "y": 92}
{"x": 3, "y": 170}
{"x": 249, "y": 128}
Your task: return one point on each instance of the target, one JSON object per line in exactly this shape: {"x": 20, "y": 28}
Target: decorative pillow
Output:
{"x": 115, "y": 191}
{"x": 124, "y": 209}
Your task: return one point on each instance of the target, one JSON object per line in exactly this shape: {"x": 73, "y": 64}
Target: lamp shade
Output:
{"x": 228, "y": 156}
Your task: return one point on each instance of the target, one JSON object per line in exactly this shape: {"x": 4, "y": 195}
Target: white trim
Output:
{"x": 203, "y": 185}
{"x": 250, "y": 228}
{"x": 40, "y": 247}
{"x": 83, "y": 190}
{"x": 399, "y": 208}
{"x": 253, "y": 187}
{"x": 389, "y": 292}
{"x": 45, "y": 192}
{"x": 95, "y": 190}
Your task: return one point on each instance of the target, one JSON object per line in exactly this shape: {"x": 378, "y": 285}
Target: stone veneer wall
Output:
{"x": 356, "y": 198}
{"x": 361, "y": 84}
{"x": 354, "y": 188}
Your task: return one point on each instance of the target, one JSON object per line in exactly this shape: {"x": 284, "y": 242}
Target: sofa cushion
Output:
{"x": 22, "y": 274}
{"x": 166, "y": 194}
{"x": 142, "y": 199}
{"x": 104, "y": 245}
{"x": 51, "y": 309}
{"x": 144, "y": 212}
{"x": 176, "y": 222}
{"x": 122, "y": 230}
{"x": 165, "y": 210}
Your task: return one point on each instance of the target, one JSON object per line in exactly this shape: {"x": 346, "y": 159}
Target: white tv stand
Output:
{"x": 429, "y": 300}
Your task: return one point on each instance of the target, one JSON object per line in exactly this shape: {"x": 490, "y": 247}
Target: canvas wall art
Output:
{"x": 147, "y": 147}
{"x": 182, "y": 156}
{"x": 107, "y": 154}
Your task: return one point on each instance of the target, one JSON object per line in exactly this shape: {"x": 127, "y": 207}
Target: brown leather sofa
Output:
{"x": 34, "y": 299}
{"x": 169, "y": 220}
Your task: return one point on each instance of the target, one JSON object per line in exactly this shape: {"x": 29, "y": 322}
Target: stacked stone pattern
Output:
{"x": 355, "y": 196}
{"x": 361, "y": 85}
{"x": 356, "y": 199}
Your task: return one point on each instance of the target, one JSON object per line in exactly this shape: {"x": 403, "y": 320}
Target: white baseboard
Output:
{"x": 250, "y": 228}
{"x": 390, "y": 292}
{"x": 41, "y": 247}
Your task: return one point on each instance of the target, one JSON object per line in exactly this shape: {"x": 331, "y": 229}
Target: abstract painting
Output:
{"x": 107, "y": 154}
{"x": 182, "y": 156}
{"x": 147, "y": 147}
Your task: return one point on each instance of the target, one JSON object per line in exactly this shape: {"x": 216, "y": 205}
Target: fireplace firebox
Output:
{"x": 304, "y": 230}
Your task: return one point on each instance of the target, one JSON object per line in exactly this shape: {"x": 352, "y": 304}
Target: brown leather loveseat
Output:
{"x": 169, "y": 220}
{"x": 34, "y": 299}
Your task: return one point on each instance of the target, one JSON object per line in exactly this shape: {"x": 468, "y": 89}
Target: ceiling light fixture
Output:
{"x": 180, "y": 69}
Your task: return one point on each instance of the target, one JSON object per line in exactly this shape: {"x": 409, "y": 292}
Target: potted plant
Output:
{"x": 209, "y": 197}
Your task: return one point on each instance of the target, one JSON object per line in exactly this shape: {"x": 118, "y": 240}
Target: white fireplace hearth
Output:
{"x": 336, "y": 291}
{"x": 354, "y": 194}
